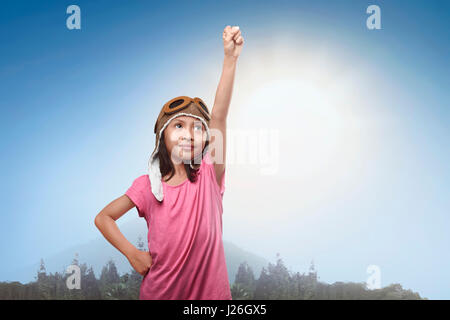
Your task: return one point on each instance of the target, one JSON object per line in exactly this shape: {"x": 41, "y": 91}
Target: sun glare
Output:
{"x": 313, "y": 111}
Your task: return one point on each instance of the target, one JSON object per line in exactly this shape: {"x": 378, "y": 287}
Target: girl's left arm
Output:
{"x": 232, "y": 43}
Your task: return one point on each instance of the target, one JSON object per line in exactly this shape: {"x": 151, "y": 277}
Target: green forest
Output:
{"x": 275, "y": 282}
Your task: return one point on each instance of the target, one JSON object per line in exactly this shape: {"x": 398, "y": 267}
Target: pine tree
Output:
{"x": 90, "y": 287}
{"x": 134, "y": 282}
{"x": 109, "y": 278}
{"x": 244, "y": 283}
{"x": 280, "y": 279}
{"x": 262, "y": 288}
{"x": 109, "y": 273}
{"x": 75, "y": 260}
{"x": 312, "y": 272}
{"x": 43, "y": 286}
{"x": 141, "y": 244}
{"x": 41, "y": 272}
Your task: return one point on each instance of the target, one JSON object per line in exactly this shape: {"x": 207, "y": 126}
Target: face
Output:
{"x": 185, "y": 138}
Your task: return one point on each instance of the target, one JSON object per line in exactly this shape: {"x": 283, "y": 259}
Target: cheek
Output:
{"x": 172, "y": 137}
{"x": 197, "y": 138}
{"x": 168, "y": 141}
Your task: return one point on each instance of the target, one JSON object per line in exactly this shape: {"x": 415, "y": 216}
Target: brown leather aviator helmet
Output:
{"x": 176, "y": 107}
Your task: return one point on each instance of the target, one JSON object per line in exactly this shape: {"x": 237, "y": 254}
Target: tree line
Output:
{"x": 275, "y": 282}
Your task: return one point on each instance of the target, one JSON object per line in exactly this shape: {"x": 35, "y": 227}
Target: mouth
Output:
{"x": 187, "y": 147}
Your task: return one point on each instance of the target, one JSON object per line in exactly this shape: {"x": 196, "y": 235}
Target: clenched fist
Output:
{"x": 141, "y": 261}
{"x": 232, "y": 41}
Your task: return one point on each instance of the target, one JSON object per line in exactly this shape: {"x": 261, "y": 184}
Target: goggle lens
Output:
{"x": 176, "y": 103}
{"x": 203, "y": 107}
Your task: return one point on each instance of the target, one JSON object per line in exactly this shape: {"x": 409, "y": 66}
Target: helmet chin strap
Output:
{"x": 190, "y": 164}
{"x": 154, "y": 171}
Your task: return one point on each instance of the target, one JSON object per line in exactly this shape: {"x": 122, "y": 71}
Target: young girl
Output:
{"x": 181, "y": 197}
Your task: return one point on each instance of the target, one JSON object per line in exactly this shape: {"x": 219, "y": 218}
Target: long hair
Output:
{"x": 166, "y": 165}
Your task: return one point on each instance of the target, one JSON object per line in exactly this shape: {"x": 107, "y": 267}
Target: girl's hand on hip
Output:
{"x": 232, "y": 41}
{"x": 141, "y": 261}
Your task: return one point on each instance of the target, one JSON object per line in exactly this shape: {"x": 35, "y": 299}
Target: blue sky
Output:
{"x": 78, "y": 109}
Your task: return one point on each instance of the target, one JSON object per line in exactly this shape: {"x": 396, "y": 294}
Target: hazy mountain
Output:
{"x": 97, "y": 252}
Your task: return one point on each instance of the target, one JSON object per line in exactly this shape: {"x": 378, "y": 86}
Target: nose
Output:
{"x": 187, "y": 136}
{"x": 189, "y": 133}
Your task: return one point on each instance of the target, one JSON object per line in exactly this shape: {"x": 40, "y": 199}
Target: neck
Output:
{"x": 179, "y": 169}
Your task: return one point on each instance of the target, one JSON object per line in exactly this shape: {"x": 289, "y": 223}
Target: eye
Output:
{"x": 198, "y": 127}
{"x": 178, "y": 124}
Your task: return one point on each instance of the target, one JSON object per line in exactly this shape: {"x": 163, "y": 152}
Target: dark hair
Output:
{"x": 166, "y": 165}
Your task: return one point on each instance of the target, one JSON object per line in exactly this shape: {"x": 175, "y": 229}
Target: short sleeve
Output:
{"x": 210, "y": 166}
{"x": 137, "y": 192}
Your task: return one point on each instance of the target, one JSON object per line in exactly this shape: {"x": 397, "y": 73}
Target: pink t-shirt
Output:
{"x": 184, "y": 238}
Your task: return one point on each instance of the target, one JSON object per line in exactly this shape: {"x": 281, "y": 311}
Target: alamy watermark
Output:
{"x": 74, "y": 280}
{"x": 374, "y": 20}
{"x": 259, "y": 147}
{"x": 374, "y": 280}
{"x": 74, "y": 20}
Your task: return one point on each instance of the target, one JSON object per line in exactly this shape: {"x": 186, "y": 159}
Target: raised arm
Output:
{"x": 232, "y": 44}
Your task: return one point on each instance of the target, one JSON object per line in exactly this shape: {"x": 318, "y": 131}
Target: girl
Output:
{"x": 181, "y": 197}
